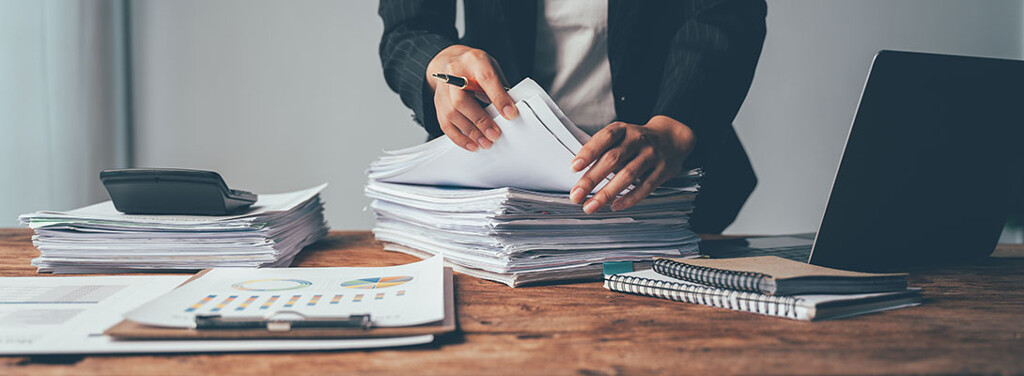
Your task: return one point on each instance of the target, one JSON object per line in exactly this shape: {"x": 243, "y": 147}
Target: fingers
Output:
{"x": 457, "y": 110}
{"x": 610, "y": 161}
{"x": 637, "y": 167}
{"x": 653, "y": 181}
{"x": 603, "y": 140}
{"x": 455, "y": 134}
{"x": 491, "y": 82}
{"x": 452, "y": 121}
{"x": 480, "y": 128}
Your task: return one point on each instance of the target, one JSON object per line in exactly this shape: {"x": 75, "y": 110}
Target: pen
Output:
{"x": 463, "y": 83}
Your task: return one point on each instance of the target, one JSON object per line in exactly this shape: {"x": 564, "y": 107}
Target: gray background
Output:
{"x": 284, "y": 95}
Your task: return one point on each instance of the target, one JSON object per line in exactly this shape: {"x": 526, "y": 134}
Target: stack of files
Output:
{"x": 504, "y": 213}
{"x": 769, "y": 285}
{"x": 99, "y": 239}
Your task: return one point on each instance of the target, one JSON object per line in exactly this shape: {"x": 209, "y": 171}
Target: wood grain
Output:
{"x": 972, "y": 322}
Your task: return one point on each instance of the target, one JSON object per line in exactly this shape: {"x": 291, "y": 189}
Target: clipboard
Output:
{"x": 130, "y": 330}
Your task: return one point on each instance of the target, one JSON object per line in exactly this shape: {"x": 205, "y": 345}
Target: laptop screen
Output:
{"x": 930, "y": 165}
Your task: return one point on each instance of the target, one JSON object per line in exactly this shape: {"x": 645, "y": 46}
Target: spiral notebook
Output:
{"x": 773, "y": 275}
{"x": 796, "y": 307}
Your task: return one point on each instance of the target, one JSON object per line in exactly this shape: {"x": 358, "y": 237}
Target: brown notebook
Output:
{"x": 771, "y": 275}
{"x": 130, "y": 330}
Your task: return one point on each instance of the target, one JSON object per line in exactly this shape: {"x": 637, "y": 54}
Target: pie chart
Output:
{"x": 272, "y": 284}
{"x": 375, "y": 282}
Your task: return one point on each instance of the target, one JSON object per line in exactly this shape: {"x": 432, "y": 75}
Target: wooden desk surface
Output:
{"x": 972, "y": 322}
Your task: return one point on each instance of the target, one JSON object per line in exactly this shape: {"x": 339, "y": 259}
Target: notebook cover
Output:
{"x": 778, "y": 268}
{"x": 808, "y": 307}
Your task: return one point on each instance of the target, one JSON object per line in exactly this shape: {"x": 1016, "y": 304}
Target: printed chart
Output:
{"x": 410, "y": 294}
{"x": 376, "y": 282}
{"x": 272, "y": 284}
{"x": 237, "y": 303}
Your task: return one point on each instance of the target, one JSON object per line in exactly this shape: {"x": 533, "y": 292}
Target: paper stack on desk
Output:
{"x": 99, "y": 239}
{"x": 504, "y": 213}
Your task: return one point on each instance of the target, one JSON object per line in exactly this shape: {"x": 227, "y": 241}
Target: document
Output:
{"x": 99, "y": 239}
{"x": 403, "y": 295}
{"x": 534, "y": 152}
{"x": 105, "y": 213}
{"x": 504, "y": 213}
{"x": 67, "y": 315}
{"x": 517, "y": 236}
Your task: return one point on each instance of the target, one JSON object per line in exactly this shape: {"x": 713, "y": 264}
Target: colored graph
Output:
{"x": 270, "y": 302}
{"x": 244, "y": 305}
{"x": 224, "y": 303}
{"x": 194, "y": 307}
{"x": 272, "y": 284}
{"x": 315, "y": 299}
{"x": 376, "y": 282}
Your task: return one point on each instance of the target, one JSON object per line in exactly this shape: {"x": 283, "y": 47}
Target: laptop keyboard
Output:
{"x": 796, "y": 253}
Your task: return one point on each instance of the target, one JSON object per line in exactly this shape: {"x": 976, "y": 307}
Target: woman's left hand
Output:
{"x": 653, "y": 153}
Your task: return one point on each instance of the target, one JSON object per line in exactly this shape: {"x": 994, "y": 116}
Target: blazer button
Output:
{"x": 622, "y": 99}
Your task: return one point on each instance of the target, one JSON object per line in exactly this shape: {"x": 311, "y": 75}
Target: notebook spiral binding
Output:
{"x": 782, "y": 306}
{"x": 727, "y": 279}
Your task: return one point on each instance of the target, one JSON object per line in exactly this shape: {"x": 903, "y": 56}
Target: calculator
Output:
{"x": 173, "y": 191}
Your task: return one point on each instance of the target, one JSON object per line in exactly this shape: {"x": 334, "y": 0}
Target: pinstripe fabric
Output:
{"x": 691, "y": 60}
{"x": 415, "y": 31}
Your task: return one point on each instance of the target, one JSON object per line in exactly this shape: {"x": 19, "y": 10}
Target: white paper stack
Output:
{"x": 99, "y": 239}
{"x": 517, "y": 236}
{"x": 504, "y": 213}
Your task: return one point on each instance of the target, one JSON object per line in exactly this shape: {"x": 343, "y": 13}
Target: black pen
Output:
{"x": 460, "y": 82}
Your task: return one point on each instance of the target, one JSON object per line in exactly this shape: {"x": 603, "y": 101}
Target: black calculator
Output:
{"x": 173, "y": 191}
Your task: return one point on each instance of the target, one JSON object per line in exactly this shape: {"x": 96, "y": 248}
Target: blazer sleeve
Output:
{"x": 710, "y": 64}
{"x": 415, "y": 31}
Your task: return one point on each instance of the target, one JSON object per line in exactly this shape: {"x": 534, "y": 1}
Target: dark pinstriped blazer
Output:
{"x": 691, "y": 60}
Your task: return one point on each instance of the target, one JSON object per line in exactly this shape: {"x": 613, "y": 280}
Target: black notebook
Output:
{"x": 773, "y": 275}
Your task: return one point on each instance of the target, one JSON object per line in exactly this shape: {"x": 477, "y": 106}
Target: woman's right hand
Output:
{"x": 461, "y": 117}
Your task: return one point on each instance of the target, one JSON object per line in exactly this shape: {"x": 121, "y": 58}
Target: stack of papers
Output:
{"x": 504, "y": 213}
{"x": 68, "y": 315}
{"x": 517, "y": 236}
{"x": 99, "y": 239}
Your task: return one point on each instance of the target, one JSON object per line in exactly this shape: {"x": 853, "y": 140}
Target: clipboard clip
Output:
{"x": 282, "y": 321}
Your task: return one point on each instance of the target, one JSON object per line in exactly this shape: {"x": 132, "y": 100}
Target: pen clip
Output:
{"x": 282, "y": 321}
{"x": 459, "y": 81}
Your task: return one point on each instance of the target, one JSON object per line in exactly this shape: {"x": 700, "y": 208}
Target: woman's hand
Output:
{"x": 653, "y": 153}
{"x": 461, "y": 117}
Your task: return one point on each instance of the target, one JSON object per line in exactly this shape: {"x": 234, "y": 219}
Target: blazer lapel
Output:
{"x": 622, "y": 18}
{"x": 521, "y": 23}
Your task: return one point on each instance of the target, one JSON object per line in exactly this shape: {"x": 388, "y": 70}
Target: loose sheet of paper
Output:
{"x": 67, "y": 315}
{"x": 534, "y": 152}
{"x": 403, "y": 295}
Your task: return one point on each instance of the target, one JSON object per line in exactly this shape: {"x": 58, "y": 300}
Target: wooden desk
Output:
{"x": 972, "y": 322}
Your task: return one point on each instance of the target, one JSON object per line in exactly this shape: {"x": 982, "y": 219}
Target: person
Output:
{"x": 657, "y": 83}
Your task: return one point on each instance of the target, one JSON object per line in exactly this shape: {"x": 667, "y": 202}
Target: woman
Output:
{"x": 657, "y": 83}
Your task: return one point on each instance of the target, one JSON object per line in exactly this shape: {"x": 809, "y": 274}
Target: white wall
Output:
{"x": 816, "y": 57}
{"x": 284, "y": 95}
{"x": 274, "y": 95}
{"x": 60, "y": 103}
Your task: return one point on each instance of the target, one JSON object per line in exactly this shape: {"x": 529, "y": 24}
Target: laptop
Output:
{"x": 931, "y": 168}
